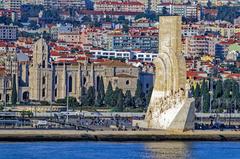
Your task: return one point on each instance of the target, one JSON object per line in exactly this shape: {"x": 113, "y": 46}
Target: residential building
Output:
{"x": 199, "y": 45}
{"x": 145, "y": 40}
{"x": 145, "y": 57}
{"x": 119, "y": 6}
{"x": 65, "y": 3}
{"x": 8, "y": 32}
{"x": 12, "y": 4}
{"x": 188, "y": 11}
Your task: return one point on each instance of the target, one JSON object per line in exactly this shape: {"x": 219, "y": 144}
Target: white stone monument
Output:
{"x": 170, "y": 108}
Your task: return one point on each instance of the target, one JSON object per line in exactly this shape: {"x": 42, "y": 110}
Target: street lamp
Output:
{"x": 230, "y": 109}
{"x": 67, "y": 99}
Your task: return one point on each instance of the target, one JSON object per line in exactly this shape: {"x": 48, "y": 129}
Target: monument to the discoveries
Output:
{"x": 170, "y": 108}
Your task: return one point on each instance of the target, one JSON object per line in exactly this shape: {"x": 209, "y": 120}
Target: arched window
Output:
{"x": 43, "y": 92}
{"x": 7, "y": 98}
{"x": 55, "y": 92}
{"x": 43, "y": 64}
{"x": 43, "y": 80}
{"x": 84, "y": 80}
{"x": 147, "y": 85}
{"x": 26, "y": 96}
{"x": 70, "y": 84}
{"x": 7, "y": 84}
{"x": 56, "y": 79}
{"x": 127, "y": 82}
{"x": 98, "y": 82}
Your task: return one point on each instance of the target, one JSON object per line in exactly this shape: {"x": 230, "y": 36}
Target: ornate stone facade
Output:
{"x": 169, "y": 97}
{"x": 49, "y": 81}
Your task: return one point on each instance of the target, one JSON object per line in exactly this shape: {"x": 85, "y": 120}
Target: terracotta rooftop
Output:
{"x": 115, "y": 63}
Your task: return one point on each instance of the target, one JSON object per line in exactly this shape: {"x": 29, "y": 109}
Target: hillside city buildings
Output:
{"x": 51, "y": 49}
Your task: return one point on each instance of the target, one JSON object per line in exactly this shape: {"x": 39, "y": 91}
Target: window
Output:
{"x": 127, "y": 82}
{"x": 43, "y": 92}
{"x": 0, "y": 96}
{"x": 147, "y": 85}
{"x": 56, "y": 79}
{"x": 70, "y": 84}
{"x": 84, "y": 80}
{"x": 43, "y": 64}
{"x": 7, "y": 98}
{"x": 43, "y": 80}
{"x": 55, "y": 92}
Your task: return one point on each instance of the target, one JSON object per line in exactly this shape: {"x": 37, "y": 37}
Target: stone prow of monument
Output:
{"x": 169, "y": 107}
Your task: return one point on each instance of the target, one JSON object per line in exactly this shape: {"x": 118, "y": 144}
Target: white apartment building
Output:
{"x": 119, "y": 6}
{"x": 145, "y": 57}
{"x": 189, "y": 11}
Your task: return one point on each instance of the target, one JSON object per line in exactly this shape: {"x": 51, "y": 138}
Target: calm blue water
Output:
{"x": 107, "y": 150}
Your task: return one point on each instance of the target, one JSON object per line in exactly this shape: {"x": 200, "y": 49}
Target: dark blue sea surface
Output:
{"x": 122, "y": 150}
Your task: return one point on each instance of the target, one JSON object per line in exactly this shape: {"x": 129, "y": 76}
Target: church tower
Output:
{"x": 40, "y": 54}
{"x": 39, "y": 71}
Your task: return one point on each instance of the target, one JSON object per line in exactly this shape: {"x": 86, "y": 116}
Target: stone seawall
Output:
{"x": 72, "y": 135}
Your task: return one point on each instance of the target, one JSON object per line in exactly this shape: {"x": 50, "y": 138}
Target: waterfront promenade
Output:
{"x": 153, "y": 135}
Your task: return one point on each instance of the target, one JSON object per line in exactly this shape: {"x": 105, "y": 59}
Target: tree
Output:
{"x": 91, "y": 96}
{"x": 218, "y": 91}
{"x": 139, "y": 95}
{"x": 72, "y": 102}
{"x": 33, "y": 25}
{"x": 108, "y": 19}
{"x": 51, "y": 16}
{"x": 109, "y": 94}
{"x": 235, "y": 89}
{"x": 206, "y": 102}
{"x": 204, "y": 86}
{"x": 209, "y": 4}
{"x": 227, "y": 84}
{"x": 14, "y": 91}
{"x": 151, "y": 15}
{"x": 98, "y": 101}
{"x": 120, "y": 100}
{"x": 5, "y": 20}
{"x": 148, "y": 96}
{"x": 125, "y": 28}
{"x": 121, "y": 19}
{"x": 83, "y": 98}
{"x": 164, "y": 11}
{"x": 197, "y": 91}
{"x": 128, "y": 99}
{"x": 228, "y": 13}
{"x": 115, "y": 97}
{"x": 139, "y": 16}
{"x": 205, "y": 96}
{"x": 101, "y": 90}
{"x": 197, "y": 96}
{"x": 86, "y": 19}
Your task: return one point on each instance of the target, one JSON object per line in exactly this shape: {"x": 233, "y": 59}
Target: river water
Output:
{"x": 122, "y": 150}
